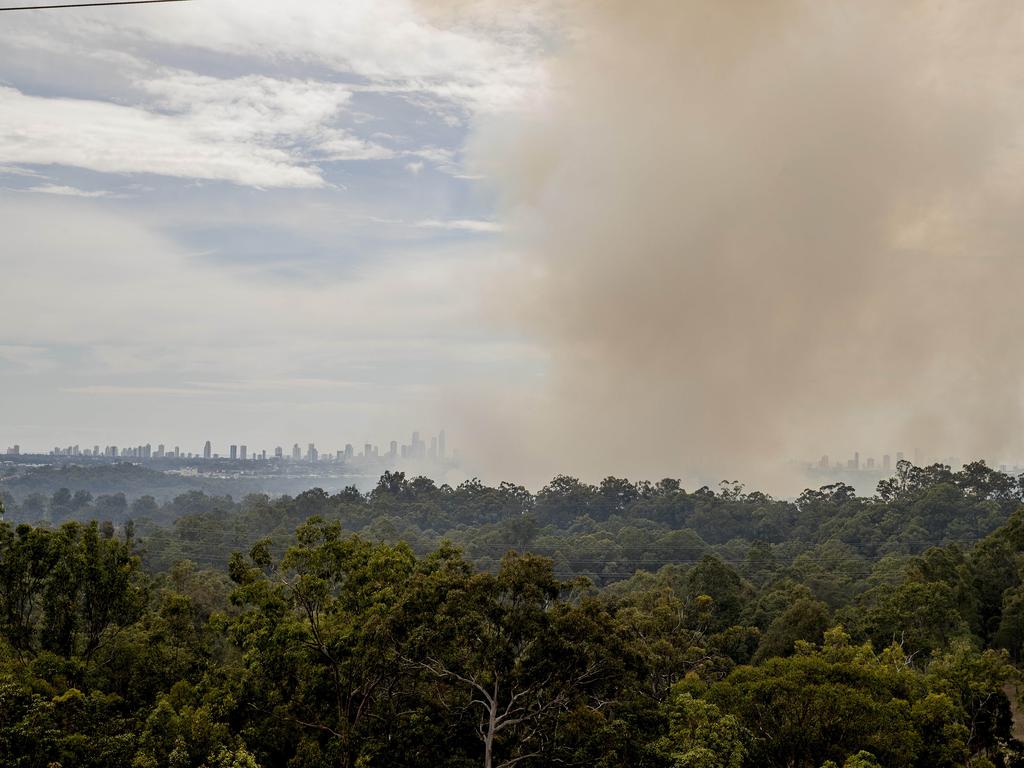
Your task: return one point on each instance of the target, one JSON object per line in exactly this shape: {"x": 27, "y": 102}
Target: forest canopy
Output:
{"x": 626, "y": 623}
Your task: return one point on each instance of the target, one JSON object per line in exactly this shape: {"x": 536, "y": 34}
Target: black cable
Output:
{"x": 88, "y": 5}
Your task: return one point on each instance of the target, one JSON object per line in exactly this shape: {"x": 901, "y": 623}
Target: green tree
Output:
{"x": 805, "y": 620}
{"x": 494, "y": 643}
{"x": 827, "y": 703}
{"x": 315, "y": 635}
{"x": 701, "y": 736}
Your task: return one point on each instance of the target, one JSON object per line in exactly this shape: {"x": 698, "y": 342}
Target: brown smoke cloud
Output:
{"x": 761, "y": 230}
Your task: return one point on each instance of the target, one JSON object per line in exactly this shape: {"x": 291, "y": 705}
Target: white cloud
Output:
{"x": 132, "y": 114}
{"x": 13, "y": 170}
{"x": 484, "y": 66}
{"x": 264, "y": 111}
{"x": 443, "y": 159}
{"x": 465, "y": 225}
{"x": 63, "y": 189}
{"x": 436, "y": 155}
{"x": 386, "y": 41}
{"x": 253, "y": 130}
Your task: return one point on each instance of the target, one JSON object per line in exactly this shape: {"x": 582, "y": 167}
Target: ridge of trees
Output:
{"x": 333, "y": 647}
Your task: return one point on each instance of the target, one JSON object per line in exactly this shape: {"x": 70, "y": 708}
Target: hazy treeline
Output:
{"x": 34, "y": 486}
{"x": 830, "y": 537}
{"x": 335, "y": 649}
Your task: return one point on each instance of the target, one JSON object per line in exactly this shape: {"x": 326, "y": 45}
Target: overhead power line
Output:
{"x": 87, "y": 5}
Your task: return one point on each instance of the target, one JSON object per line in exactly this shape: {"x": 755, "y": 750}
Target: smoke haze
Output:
{"x": 755, "y": 231}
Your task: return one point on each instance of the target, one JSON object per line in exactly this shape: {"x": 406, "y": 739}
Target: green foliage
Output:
{"x": 830, "y": 702}
{"x": 805, "y": 620}
{"x": 700, "y": 736}
{"x": 620, "y": 624}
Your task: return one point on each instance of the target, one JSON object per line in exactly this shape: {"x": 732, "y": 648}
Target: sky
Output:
{"x": 684, "y": 238}
{"x": 251, "y": 221}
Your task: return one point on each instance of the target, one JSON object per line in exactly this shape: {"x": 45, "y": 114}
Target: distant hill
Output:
{"x": 134, "y": 481}
{"x": 130, "y": 479}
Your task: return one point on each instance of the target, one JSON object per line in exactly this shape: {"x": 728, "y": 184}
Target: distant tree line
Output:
{"x": 829, "y": 538}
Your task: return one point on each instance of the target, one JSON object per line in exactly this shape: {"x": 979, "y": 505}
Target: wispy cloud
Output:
{"x": 465, "y": 225}
{"x": 66, "y": 191}
{"x": 14, "y": 170}
{"x": 253, "y": 131}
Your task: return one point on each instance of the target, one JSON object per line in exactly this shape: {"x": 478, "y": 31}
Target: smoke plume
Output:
{"x": 760, "y": 230}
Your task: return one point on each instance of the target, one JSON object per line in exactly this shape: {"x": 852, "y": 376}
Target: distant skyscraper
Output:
{"x": 243, "y": 452}
{"x": 311, "y": 453}
{"x": 418, "y": 449}
{"x": 367, "y": 451}
{"x": 886, "y": 463}
{"x": 296, "y": 453}
{"x": 278, "y": 452}
{"x": 442, "y": 446}
{"x": 350, "y": 452}
{"x": 207, "y": 450}
{"x": 393, "y": 450}
{"x": 233, "y": 452}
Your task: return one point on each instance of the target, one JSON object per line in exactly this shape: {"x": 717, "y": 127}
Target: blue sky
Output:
{"x": 252, "y": 221}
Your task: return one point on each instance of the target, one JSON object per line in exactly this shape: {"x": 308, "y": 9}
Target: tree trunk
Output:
{"x": 492, "y": 717}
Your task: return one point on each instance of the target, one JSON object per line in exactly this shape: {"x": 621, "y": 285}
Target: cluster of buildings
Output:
{"x": 886, "y": 466}
{"x": 855, "y": 464}
{"x": 417, "y": 450}
{"x": 112, "y": 452}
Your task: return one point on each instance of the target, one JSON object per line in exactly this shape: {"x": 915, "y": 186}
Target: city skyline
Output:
{"x": 417, "y": 449}
{"x": 887, "y": 462}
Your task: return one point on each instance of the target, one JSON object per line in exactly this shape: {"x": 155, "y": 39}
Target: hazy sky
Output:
{"x": 249, "y": 220}
{"x": 646, "y": 237}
